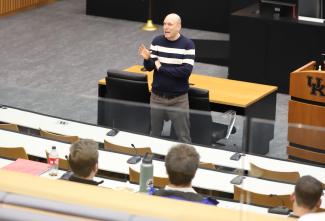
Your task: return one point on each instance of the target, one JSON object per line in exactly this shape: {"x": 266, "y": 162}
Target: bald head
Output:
{"x": 172, "y": 26}
{"x": 174, "y": 17}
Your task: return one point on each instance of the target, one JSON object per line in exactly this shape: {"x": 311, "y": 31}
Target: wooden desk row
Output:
{"x": 159, "y": 146}
{"x": 114, "y": 162}
{"x": 108, "y": 183}
{"x": 120, "y": 185}
{"x": 122, "y": 201}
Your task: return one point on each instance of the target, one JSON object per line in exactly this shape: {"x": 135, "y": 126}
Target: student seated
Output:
{"x": 83, "y": 161}
{"x": 181, "y": 164}
{"x": 306, "y": 197}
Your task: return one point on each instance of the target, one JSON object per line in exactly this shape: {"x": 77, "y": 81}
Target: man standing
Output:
{"x": 171, "y": 56}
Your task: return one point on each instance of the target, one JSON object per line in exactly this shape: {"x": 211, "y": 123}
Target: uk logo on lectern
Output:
{"x": 316, "y": 86}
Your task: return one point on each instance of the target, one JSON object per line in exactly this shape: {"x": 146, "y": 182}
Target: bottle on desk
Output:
{"x": 319, "y": 67}
{"x": 146, "y": 174}
{"x": 321, "y": 62}
{"x": 53, "y": 160}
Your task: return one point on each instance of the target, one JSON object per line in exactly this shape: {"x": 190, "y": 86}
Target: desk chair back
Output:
{"x": 13, "y": 153}
{"x": 245, "y": 196}
{"x": 160, "y": 182}
{"x": 203, "y": 130}
{"x": 128, "y": 105}
{"x": 290, "y": 177}
{"x": 11, "y": 127}
{"x": 209, "y": 166}
{"x": 200, "y": 116}
{"x": 58, "y": 137}
{"x": 126, "y": 150}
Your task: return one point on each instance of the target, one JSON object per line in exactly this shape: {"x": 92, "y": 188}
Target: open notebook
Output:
{"x": 28, "y": 166}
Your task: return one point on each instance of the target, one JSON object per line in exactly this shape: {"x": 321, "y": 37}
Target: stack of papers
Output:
{"x": 28, "y": 166}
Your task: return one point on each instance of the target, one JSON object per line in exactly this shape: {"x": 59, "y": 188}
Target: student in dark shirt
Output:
{"x": 181, "y": 164}
{"x": 83, "y": 161}
{"x": 307, "y": 196}
{"x": 171, "y": 56}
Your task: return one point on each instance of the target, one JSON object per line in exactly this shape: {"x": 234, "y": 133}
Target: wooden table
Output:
{"x": 248, "y": 99}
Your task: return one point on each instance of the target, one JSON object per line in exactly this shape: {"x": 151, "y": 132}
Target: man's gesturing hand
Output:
{"x": 144, "y": 52}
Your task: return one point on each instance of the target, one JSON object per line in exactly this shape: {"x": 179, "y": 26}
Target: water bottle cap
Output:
{"x": 147, "y": 160}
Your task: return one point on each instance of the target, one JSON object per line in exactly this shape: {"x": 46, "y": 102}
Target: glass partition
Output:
{"x": 247, "y": 135}
{"x": 54, "y": 61}
{"x": 230, "y": 145}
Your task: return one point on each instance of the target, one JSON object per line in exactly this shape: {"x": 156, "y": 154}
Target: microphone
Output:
{"x": 113, "y": 131}
{"x": 99, "y": 182}
{"x": 279, "y": 209}
{"x": 134, "y": 159}
{"x": 135, "y": 149}
{"x": 236, "y": 156}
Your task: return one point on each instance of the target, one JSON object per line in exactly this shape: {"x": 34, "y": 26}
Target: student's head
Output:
{"x": 307, "y": 194}
{"x": 83, "y": 158}
{"x": 181, "y": 163}
{"x": 172, "y": 26}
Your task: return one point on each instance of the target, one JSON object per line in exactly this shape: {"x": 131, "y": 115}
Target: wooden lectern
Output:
{"x": 306, "y": 115}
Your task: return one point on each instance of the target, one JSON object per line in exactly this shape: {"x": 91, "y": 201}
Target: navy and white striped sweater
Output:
{"x": 177, "y": 60}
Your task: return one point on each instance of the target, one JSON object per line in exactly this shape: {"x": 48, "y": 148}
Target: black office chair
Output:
{"x": 128, "y": 105}
{"x": 203, "y": 130}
